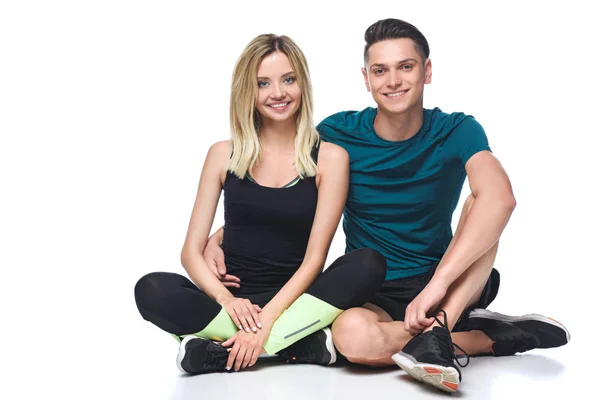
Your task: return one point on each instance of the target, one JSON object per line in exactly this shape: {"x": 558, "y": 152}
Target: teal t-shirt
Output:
{"x": 402, "y": 194}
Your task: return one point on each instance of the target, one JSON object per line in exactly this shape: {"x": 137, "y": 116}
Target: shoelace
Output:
{"x": 215, "y": 357}
{"x": 454, "y": 345}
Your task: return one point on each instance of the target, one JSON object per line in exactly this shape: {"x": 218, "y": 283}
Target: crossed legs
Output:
{"x": 368, "y": 335}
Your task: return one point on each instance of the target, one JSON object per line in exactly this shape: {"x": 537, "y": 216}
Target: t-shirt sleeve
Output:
{"x": 326, "y": 129}
{"x": 467, "y": 139}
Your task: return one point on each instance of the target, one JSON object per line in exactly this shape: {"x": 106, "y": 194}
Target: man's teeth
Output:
{"x": 396, "y": 94}
{"x": 279, "y": 105}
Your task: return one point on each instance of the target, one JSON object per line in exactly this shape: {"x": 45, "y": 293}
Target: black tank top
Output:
{"x": 266, "y": 230}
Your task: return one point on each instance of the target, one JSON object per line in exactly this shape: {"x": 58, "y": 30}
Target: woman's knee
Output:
{"x": 149, "y": 288}
{"x": 371, "y": 263}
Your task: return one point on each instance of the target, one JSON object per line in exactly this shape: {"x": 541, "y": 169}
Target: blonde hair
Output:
{"x": 244, "y": 118}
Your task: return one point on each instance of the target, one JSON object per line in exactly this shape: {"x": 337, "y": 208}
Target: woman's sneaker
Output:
{"x": 513, "y": 335}
{"x": 316, "y": 348}
{"x": 199, "y": 356}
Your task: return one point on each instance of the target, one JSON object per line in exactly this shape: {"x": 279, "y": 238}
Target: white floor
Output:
{"x": 519, "y": 377}
{"x": 140, "y": 364}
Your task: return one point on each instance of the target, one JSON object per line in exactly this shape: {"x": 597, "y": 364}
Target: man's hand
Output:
{"x": 416, "y": 319}
{"x": 215, "y": 259}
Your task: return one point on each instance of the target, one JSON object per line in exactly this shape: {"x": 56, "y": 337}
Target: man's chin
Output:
{"x": 400, "y": 109}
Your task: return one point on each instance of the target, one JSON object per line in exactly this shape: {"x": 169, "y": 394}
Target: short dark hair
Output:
{"x": 392, "y": 28}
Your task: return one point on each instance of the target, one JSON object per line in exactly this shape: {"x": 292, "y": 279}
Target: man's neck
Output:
{"x": 398, "y": 127}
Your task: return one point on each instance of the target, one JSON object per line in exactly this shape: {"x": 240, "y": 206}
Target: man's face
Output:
{"x": 395, "y": 74}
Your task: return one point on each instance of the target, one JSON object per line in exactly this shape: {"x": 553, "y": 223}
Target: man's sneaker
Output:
{"x": 198, "y": 356}
{"x": 513, "y": 335}
{"x": 429, "y": 357}
{"x": 316, "y": 348}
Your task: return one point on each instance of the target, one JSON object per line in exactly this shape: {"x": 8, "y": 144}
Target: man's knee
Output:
{"x": 354, "y": 332}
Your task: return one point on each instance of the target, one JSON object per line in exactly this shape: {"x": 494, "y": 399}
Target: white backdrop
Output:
{"x": 107, "y": 109}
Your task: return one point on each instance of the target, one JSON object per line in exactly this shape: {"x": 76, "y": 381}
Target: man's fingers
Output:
{"x": 221, "y": 267}
{"x": 411, "y": 321}
{"x": 231, "y": 278}
{"x": 213, "y": 267}
{"x": 414, "y": 324}
{"x": 407, "y": 319}
{"x": 231, "y": 284}
{"x": 422, "y": 319}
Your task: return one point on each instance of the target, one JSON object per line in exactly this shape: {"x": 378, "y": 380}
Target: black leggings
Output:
{"x": 174, "y": 304}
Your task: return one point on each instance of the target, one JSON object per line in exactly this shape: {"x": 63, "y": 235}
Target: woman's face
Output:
{"x": 279, "y": 95}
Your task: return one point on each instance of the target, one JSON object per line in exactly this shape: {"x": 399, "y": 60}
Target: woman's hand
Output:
{"x": 246, "y": 348}
{"x": 243, "y": 313}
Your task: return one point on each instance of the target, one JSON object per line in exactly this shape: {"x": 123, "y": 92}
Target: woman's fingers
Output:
{"x": 242, "y": 313}
{"x": 234, "y": 317}
{"x": 232, "y": 356}
{"x": 255, "y": 319}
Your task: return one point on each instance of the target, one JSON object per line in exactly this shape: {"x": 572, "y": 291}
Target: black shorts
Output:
{"x": 394, "y": 296}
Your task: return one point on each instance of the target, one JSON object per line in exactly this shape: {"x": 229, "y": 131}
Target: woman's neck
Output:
{"x": 278, "y": 135}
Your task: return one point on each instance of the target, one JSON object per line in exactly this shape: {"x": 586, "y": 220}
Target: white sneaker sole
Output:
{"x": 483, "y": 313}
{"x": 443, "y": 378}
{"x": 181, "y": 353}
{"x": 330, "y": 346}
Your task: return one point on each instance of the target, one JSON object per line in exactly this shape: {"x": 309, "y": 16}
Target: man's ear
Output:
{"x": 366, "y": 77}
{"x": 428, "y": 71}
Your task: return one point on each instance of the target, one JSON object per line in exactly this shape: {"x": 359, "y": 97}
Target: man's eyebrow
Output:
{"x": 378, "y": 65}
{"x": 266, "y": 79}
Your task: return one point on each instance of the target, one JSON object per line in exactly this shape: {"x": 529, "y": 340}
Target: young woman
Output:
{"x": 284, "y": 194}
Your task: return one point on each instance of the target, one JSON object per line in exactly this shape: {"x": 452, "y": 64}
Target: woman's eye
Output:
{"x": 262, "y": 84}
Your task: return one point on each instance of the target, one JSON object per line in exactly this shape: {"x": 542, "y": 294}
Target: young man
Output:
{"x": 408, "y": 166}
